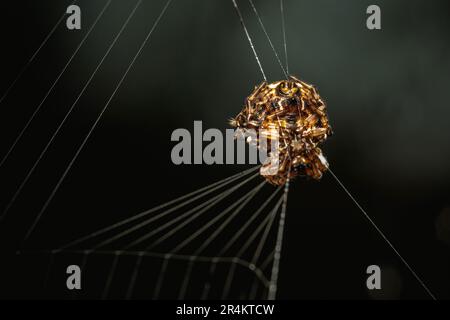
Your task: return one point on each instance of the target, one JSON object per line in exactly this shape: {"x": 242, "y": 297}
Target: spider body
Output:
{"x": 292, "y": 112}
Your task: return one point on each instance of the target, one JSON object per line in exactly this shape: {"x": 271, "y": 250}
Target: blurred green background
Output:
{"x": 387, "y": 97}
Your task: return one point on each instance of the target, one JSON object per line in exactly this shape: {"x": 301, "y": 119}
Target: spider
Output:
{"x": 295, "y": 114}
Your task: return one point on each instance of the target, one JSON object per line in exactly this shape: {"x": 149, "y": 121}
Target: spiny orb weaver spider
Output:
{"x": 295, "y": 114}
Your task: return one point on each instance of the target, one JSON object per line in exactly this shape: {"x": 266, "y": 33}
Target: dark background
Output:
{"x": 387, "y": 97}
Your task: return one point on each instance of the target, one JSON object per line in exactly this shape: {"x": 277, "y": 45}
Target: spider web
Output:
{"x": 193, "y": 230}
{"x": 202, "y": 246}
{"x": 196, "y": 236}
